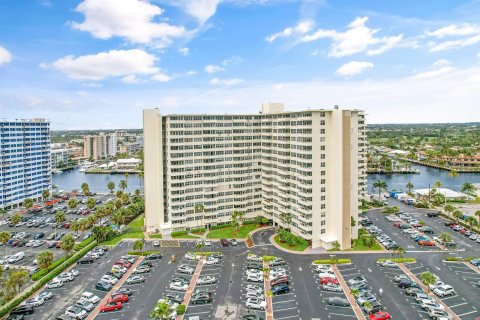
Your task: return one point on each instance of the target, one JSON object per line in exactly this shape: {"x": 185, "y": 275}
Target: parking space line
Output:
{"x": 458, "y": 305}
{"x": 293, "y": 300}
{"x": 465, "y": 314}
{"x": 343, "y": 315}
{"x": 279, "y": 310}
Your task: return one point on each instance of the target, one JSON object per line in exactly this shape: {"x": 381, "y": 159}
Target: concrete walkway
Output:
{"x": 348, "y": 294}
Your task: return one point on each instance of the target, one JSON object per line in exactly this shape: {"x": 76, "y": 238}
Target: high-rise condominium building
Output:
{"x": 309, "y": 164}
{"x": 25, "y": 169}
{"x": 100, "y": 146}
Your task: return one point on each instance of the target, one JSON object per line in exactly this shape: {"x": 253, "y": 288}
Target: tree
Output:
{"x": 468, "y": 188}
{"x": 449, "y": 209}
{"x": 138, "y": 245}
{"x": 74, "y": 225}
{"x": 161, "y": 311}
{"x": 101, "y": 232}
{"x": 116, "y": 217}
{"x": 111, "y": 186}
{"x": 353, "y": 222}
{"x": 91, "y": 202}
{"x": 471, "y": 222}
{"x": 4, "y": 237}
{"x": 410, "y": 186}
{"x": 380, "y": 185}
{"x": 85, "y": 189}
{"x": 28, "y": 203}
{"x": 286, "y": 219}
{"x": 457, "y": 214}
{"x": 16, "y": 218}
{"x": 72, "y": 203}
{"x": 18, "y": 278}
{"x": 140, "y": 178}
{"x": 477, "y": 214}
{"x": 60, "y": 216}
{"x": 125, "y": 198}
{"x": 199, "y": 207}
{"x": 118, "y": 204}
{"x": 234, "y": 220}
{"x": 199, "y": 245}
{"x": 427, "y": 279}
{"x": 45, "y": 259}
{"x": 437, "y": 184}
{"x": 400, "y": 251}
{"x": 119, "y": 194}
{"x": 68, "y": 242}
{"x": 445, "y": 237}
{"x": 45, "y": 194}
{"x": 453, "y": 174}
{"x": 367, "y": 240}
{"x": 335, "y": 245}
{"x": 123, "y": 185}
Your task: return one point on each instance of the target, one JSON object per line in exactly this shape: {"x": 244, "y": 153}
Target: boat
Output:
{"x": 56, "y": 171}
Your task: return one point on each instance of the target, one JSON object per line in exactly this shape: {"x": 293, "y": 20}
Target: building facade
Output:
{"x": 310, "y": 164}
{"x": 63, "y": 157}
{"x": 25, "y": 165}
{"x": 100, "y": 146}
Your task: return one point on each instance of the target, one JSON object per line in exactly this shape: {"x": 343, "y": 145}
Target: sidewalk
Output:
{"x": 191, "y": 287}
{"x": 351, "y": 299}
{"x": 268, "y": 298}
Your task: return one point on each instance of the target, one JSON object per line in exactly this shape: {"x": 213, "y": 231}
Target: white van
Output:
{"x": 16, "y": 257}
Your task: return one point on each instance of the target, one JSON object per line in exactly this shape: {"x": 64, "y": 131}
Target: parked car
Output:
{"x": 111, "y": 306}
{"x": 279, "y": 289}
{"x": 179, "y": 286}
{"x": 55, "y": 283}
{"x": 380, "y": 315}
{"x": 206, "y": 280}
{"x": 135, "y": 279}
{"x": 201, "y": 298}
{"x": 444, "y": 290}
{"x": 22, "y": 310}
{"x": 90, "y": 297}
{"x": 76, "y": 312}
{"x": 119, "y": 298}
{"x": 185, "y": 269}
{"x": 332, "y": 287}
{"x": 85, "y": 304}
{"x": 103, "y": 286}
{"x": 388, "y": 264}
{"x": 254, "y": 303}
{"x": 224, "y": 242}
{"x": 125, "y": 291}
{"x": 337, "y": 301}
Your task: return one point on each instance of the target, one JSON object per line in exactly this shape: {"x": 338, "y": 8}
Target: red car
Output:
{"x": 123, "y": 263}
{"x": 397, "y": 224}
{"x": 279, "y": 280}
{"x": 416, "y": 225}
{"x": 426, "y": 243}
{"x": 326, "y": 280}
{"x": 462, "y": 231}
{"x": 380, "y": 315}
{"x": 111, "y": 306}
{"x": 119, "y": 298}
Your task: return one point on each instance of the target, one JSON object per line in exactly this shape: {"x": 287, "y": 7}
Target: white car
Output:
{"x": 444, "y": 290}
{"x": 324, "y": 269}
{"x": 250, "y": 272}
{"x": 254, "y": 287}
{"x": 428, "y": 304}
{"x": 109, "y": 279}
{"x": 277, "y": 273}
{"x": 327, "y": 275}
{"x": 90, "y": 297}
{"x": 254, "y": 257}
{"x": 45, "y": 295}
{"x": 207, "y": 243}
{"x": 253, "y": 294}
{"x": 73, "y": 272}
{"x": 65, "y": 277}
{"x": 211, "y": 260}
{"x": 55, "y": 283}
{"x": 85, "y": 304}
{"x": 206, "y": 280}
{"x": 255, "y": 277}
{"x": 332, "y": 287}
{"x": 255, "y": 303}
{"x": 117, "y": 268}
{"x": 35, "y": 302}
{"x": 76, "y": 312}
{"x": 388, "y": 264}
{"x": 190, "y": 256}
{"x": 436, "y": 284}
{"x": 179, "y": 286}
{"x": 156, "y": 243}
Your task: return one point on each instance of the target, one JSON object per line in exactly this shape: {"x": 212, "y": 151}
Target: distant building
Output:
{"x": 128, "y": 164}
{"x": 25, "y": 160}
{"x": 63, "y": 157}
{"x": 130, "y": 147}
{"x": 100, "y": 146}
{"x": 449, "y": 194}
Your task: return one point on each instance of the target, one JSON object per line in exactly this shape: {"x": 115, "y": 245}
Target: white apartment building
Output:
{"x": 100, "y": 146}
{"x": 309, "y": 163}
{"x": 63, "y": 157}
{"x": 25, "y": 169}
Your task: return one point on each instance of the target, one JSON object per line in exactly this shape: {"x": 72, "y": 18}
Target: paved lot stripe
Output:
{"x": 349, "y": 296}
{"x": 412, "y": 276}
{"x": 169, "y": 243}
{"x": 193, "y": 281}
{"x": 117, "y": 286}
{"x": 477, "y": 270}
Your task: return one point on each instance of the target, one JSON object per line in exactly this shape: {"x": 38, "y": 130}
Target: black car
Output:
{"x": 39, "y": 235}
{"x": 337, "y": 301}
{"x": 174, "y": 297}
{"x": 392, "y": 245}
{"x": 433, "y": 214}
{"x": 256, "y": 266}
{"x": 64, "y": 317}
{"x": 23, "y": 310}
{"x": 366, "y": 222}
{"x": 180, "y": 279}
{"x": 153, "y": 256}
{"x": 251, "y": 317}
{"x": 103, "y": 286}
{"x": 85, "y": 260}
{"x": 279, "y": 289}
{"x": 406, "y": 283}
{"x": 201, "y": 299}
{"x": 217, "y": 255}
{"x": 146, "y": 264}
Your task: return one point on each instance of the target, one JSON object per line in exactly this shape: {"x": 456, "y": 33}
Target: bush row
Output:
{"x": 205, "y": 253}
{"x": 398, "y": 260}
{"x": 459, "y": 259}
{"x": 332, "y": 261}
{"x": 44, "y": 280}
{"x": 142, "y": 253}
{"x": 221, "y": 226}
{"x": 198, "y": 230}
{"x": 179, "y": 233}
{"x": 84, "y": 243}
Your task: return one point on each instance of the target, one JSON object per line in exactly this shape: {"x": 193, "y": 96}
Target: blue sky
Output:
{"x": 97, "y": 63}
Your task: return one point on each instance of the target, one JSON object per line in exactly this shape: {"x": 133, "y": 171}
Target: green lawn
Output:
{"x": 298, "y": 247}
{"x": 137, "y": 223}
{"x": 229, "y": 232}
{"x": 116, "y": 240}
{"x": 155, "y": 236}
{"x": 186, "y": 236}
{"x": 359, "y": 246}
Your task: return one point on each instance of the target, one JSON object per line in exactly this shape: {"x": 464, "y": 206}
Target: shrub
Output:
{"x": 391, "y": 209}
{"x": 249, "y": 222}
{"x": 198, "y": 230}
{"x": 332, "y": 261}
{"x": 179, "y": 233}
{"x": 142, "y": 253}
{"x": 362, "y": 232}
{"x": 181, "y": 309}
{"x": 205, "y": 253}
{"x": 220, "y": 226}
{"x": 84, "y": 243}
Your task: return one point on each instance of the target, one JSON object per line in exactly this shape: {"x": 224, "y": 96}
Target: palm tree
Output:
{"x": 453, "y": 174}
{"x": 381, "y": 185}
{"x": 477, "y": 213}
{"x": 116, "y": 217}
{"x": 445, "y": 237}
{"x": 123, "y": 185}
{"x": 45, "y": 259}
{"x": 457, "y": 214}
{"x": 119, "y": 194}
{"x": 75, "y": 226}
{"x": 427, "y": 279}
{"x": 85, "y": 189}
{"x": 15, "y": 282}
{"x": 118, "y": 204}
{"x": 4, "y": 237}
{"x": 140, "y": 177}
{"x": 468, "y": 188}
{"x": 125, "y": 198}
{"x": 471, "y": 221}
{"x": 45, "y": 194}
{"x": 111, "y": 186}
{"x": 91, "y": 202}
{"x": 410, "y": 186}
{"x": 449, "y": 209}
{"x": 28, "y": 203}
{"x": 72, "y": 203}
{"x": 286, "y": 219}
{"x": 16, "y": 218}
{"x": 60, "y": 216}
{"x": 335, "y": 245}
{"x": 83, "y": 225}
{"x": 67, "y": 244}
{"x": 199, "y": 245}
{"x": 355, "y": 292}
{"x": 400, "y": 251}
{"x": 437, "y": 184}
{"x": 138, "y": 245}
{"x": 234, "y": 220}
{"x": 162, "y": 310}
{"x": 101, "y": 232}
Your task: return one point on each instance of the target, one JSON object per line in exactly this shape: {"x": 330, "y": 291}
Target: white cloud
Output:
{"x": 434, "y": 73}
{"x": 202, "y": 10}
{"x": 441, "y": 63}
{"x": 5, "y": 56}
{"x": 129, "y": 19}
{"x": 184, "y": 51}
{"x": 353, "y": 67}
{"x": 114, "y": 63}
{"x": 233, "y": 60}
{"x": 226, "y": 82}
{"x": 161, "y": 77}
{"x": 213, "y": 68}
{"x": 191, "y": 73}
{"x": 301, "y": 28}
{"x": 454, "y": 44}
{"x": 454, "y": 30}
{"x": 131, "y": 78}
{"x": 357, "y": 38}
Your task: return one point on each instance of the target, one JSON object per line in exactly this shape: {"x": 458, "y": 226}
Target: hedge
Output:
{"x": 179, "y": 233}
{"x": 44, "y": 280}
{"x": 398, "y": 260}
{"x": 142, "y": 253}
{"x": 459, "y": 259}
{"x": 332, "y": 261}
{"x": 198, "y": 230}
{"x": 181, "y": 309}
{"x": 220, "y": 226}
{"x": 206, "y": 253}
{"x": 84, "y": 243}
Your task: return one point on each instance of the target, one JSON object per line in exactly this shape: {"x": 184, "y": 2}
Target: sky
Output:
{"x": 96, "y": 64}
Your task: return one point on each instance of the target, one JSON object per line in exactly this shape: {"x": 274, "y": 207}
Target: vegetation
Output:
{"x": 364, "y": 245}
{"x": 162, "y": 310}
{"x": 143, "y": 253}
{"x": 297, "y": 246}
{"x": 332, "y": 261}
{"x": 231, "y": 232}
{"x": 45, "y": 259}
{"x": 380, "y": 185}
{"x": 427, "y": 278}
{"x": 398, "y": 260}
{"x": 391, "y": 210}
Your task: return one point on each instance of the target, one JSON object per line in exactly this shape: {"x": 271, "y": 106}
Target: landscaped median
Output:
{"x": 43, "y": 277}
{"x": 299, "y": 246}
{"x": 332, "y": 261}
{"x": 398, "y": 260}
{"x": 142, "y": 253}
{"x": 229, "y": 232}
